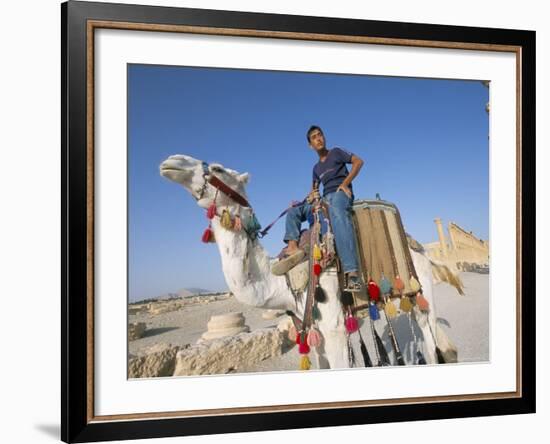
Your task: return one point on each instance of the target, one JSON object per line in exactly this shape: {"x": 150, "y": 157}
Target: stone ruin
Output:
{"x": 464, "y": 251}
{"x": 227, "y": 324}
{"x": 221, "y": 355}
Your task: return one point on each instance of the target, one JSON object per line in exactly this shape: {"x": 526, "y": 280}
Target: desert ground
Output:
{"x": 464, "y": 318}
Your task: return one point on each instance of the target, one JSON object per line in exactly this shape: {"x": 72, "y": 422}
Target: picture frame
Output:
{"x": 80, "y": 21}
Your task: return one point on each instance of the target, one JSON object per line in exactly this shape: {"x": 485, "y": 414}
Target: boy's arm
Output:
{"x": 356, "y": 165}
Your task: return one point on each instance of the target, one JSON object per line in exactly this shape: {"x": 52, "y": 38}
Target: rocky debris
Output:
{"x": 135, "y": 309}
{"x": 173, "y": 304}
{"x": 227, "y": 324}
{"x": 156, "y": 361}
{"x": 136, "y": 330}
{"x": 229, "y": 354}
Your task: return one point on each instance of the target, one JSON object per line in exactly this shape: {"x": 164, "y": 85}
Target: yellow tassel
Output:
{"x": 405, "y": 304}
{"x": 317, "y": 255}
{"x": 226, "y": 220}
{"x": 415, "y": 285}
{"x": 305, "y": 363}
{"x": 389, "y": 308}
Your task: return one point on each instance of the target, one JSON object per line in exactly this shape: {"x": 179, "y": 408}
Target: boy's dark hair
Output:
{"x": 311, "y": 129}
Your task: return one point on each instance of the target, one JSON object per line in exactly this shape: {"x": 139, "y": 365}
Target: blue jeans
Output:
{"x": 339, "y": 207}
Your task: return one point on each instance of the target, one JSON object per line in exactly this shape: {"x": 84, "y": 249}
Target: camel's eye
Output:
{"x": 217, "y": 169}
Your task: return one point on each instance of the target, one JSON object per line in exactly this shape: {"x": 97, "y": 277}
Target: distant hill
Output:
{"x": 194, "y": 290}
{"x": 182, "y": 293}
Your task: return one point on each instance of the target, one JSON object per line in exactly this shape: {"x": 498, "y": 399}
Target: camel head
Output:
{"x": 189, "y": 173}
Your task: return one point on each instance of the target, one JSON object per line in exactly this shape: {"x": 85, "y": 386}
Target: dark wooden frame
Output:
{"x": 79, "y": 19}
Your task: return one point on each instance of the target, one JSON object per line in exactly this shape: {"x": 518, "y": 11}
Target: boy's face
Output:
{"x": 317, "y": 140}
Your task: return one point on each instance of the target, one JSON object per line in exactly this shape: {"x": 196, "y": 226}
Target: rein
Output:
{"x": 238, "y": 198}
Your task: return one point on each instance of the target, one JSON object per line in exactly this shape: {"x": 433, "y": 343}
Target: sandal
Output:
{"x": 353, "y": 284}
{"x": 287, "y": 263}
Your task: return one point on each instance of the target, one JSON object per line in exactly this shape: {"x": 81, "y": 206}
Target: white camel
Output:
{"x": 247, "y": 269}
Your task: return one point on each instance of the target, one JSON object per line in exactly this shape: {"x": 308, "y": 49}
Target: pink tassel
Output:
{"x": 352, "y": 325}
{"x": 211, "y": 212}
{"x": 314, "y": 338}
{"x": 208, "y": 235}
{"x": 422, "y": 302}
{"x": 238, "y": 225}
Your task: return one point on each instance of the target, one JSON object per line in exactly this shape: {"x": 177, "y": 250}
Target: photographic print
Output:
{"x": 268, "y": 216}
{"x": 285, "y": 221}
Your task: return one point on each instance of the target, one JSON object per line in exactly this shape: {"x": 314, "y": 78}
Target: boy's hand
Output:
{"x": 313, "y": 195}
{"x": 345, "y": 189}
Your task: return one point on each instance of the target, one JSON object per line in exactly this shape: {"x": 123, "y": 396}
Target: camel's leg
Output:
{"x": 424, "y": 271}
{"x": 427, "y": 321}
{"x": 428, "y": 343}
{"x": 331, "y": 325}
{"x": 321, "y": 360}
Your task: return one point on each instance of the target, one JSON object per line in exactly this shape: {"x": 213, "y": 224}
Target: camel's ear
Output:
{"x": 244, "y": 177}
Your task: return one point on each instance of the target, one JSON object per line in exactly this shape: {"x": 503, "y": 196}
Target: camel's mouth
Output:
{"x": 169, "y": 169}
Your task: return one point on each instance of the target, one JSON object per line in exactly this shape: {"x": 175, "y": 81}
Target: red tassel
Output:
{"x": 374, "y": 291}
{"x": 211, "y": 212}
{"x": 303, "y": 348}
{"x": 316, "y": 269}
{"x": 352, "y": 325}
{"x": 208, "y": 235}
{"x": 422, "y": 302}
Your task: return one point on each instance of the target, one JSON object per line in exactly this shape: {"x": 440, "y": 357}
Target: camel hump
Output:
{"x": 414, "y": 244}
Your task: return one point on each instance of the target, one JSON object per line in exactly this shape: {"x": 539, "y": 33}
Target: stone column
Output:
{"x": 452, "y": 236}
{"x": 442, "y": 242}
{"x": 225, "y": 325}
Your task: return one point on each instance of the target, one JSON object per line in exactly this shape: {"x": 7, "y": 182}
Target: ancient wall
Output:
{"x": 461, "y": 248}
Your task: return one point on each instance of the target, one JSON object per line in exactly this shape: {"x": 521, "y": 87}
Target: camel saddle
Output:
{"x": 382, "y": 247}
{"x": 382, "y": 244}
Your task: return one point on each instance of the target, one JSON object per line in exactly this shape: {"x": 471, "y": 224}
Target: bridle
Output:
{"x": 220, "y": 185}
{"x": 217, "y": 183}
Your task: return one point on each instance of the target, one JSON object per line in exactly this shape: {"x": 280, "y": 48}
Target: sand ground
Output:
{"x": 464, "y": 318}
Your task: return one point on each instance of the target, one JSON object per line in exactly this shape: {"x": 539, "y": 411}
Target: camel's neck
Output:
{"x": 246, "y": 266}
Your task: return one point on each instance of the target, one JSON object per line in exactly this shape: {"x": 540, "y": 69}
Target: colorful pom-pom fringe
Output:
{"x": 208, "y": 235}
{"x": 352, "y": 324}
{"x": 373, "y": 290}
{"x": 314, "y": 338}
{"x": 422, "y": 302}
{"x": 305, "y": 363}
{"x": 316, "y": 269}
{"x": 405, "y": 304}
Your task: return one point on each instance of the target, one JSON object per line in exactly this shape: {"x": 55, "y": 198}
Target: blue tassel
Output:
{"x": 385, "y": 285}
{"x": 257, "y": 225}
{"x": 251, "y": 225}
{"x": 373, "y": 312}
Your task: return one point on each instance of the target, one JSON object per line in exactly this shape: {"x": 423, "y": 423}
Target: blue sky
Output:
{"x": 424, "y": 143}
